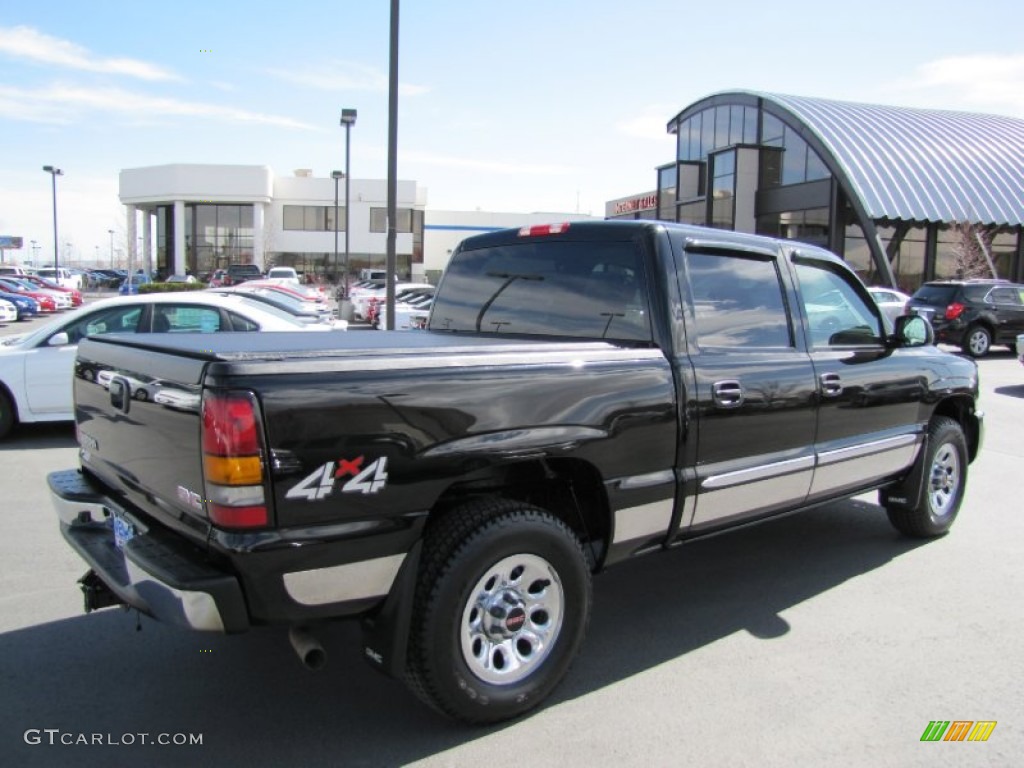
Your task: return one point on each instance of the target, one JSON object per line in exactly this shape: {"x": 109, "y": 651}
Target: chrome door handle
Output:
{"x": 831, "y": 385}
{"x": 727, "y": 394}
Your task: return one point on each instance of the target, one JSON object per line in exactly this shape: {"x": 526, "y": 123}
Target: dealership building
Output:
{"x": 891, "y": 189}
{"x": 198, "y": 218}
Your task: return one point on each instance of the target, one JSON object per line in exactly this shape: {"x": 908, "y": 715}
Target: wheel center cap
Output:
{"x": 515, "y": 620}
{"x": 504, "y": 614}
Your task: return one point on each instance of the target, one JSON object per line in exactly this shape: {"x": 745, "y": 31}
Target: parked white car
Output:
{"x": 889, "y": 300}
{"x": 8, "y": 312}
{"x": 361, "y": 300}
{"x": 65, "y": 278}
{"x": 36, "y": 369}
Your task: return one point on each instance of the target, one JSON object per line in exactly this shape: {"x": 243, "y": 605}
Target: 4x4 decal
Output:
{"x": 320, "y": 483}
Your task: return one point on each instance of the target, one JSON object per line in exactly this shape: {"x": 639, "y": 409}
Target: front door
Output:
{"x": 752, "y": 402}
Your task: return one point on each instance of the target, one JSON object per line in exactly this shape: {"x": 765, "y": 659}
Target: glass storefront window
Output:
{"x": 721, "y": 127}
{"x": 736, "y": 124}
{"x": 692, "y": 213}
{"x": 794, "y": 158}
{"x": 771, "y": 130}
{"x": 1004, "y": 245}
{"x": 907, "y": 258}
{"x": 723, "y": 189}
{"x": 750, "y": 125}
{"x": 816, "y": 168}
{"x": 707, "y": 133}
{"x": 695, "y": 132}
{"x": 858, "y": 255}
{"x": 683, "y": 140}
{"x": 379, "y": 217}
{"x": 810, "y": 226}
{"x": 770, "y": 171}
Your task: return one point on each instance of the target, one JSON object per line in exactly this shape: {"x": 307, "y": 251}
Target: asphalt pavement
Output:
{"x": 819, "y": 639}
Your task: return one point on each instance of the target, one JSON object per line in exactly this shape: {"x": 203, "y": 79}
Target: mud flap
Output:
{"x": 386, "y": 633}
{"x": 906, "y": 494}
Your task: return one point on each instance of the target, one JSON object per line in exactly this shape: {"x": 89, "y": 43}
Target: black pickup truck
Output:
{"x": 583, "y": 393}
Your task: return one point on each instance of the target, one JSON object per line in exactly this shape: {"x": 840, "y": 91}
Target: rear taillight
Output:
{"x": 954, "y": 310}
{"x": 233, "y": 467}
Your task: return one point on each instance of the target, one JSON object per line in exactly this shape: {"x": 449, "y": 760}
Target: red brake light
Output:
{"x": 237, "y": 517}
{"x": 229, "y": 426}
{"x": 954, "y": 310}
{"x": 538, "y": 230}
{"x": 233, "y": 468}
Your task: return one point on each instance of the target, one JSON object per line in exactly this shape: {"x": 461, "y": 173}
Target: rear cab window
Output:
{"x": 584, "y": 289}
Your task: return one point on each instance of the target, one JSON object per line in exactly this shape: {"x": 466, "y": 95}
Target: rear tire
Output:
{"x": 977, "y": 341}
{"x": 7, "y": 418}
{"x": 944, "y": 480}
{"x": 502, "y": 604}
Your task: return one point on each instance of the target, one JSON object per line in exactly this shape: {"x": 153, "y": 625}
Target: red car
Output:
{"x": 46, "y": 302}
{"x": 75, "y": 294}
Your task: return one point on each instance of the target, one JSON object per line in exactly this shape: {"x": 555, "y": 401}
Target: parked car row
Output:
{"x": 36, "y": 368}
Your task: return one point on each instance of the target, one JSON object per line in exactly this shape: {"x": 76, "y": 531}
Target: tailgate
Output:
{"x": 137, "y": 408}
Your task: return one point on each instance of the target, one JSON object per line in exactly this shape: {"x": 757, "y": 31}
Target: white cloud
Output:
{"x": 28, "y": 43}
{"x": 344, "y": 76}
{"x": 57, "y": 103}
{"x": 979, "y": 82}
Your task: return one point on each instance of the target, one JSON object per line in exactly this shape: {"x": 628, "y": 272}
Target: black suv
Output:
{"x": 240, "y": 273}
{"x": 972, "y": 314}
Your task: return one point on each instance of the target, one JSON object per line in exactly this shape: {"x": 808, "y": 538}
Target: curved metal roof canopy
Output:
{"x": 920, "y": 164}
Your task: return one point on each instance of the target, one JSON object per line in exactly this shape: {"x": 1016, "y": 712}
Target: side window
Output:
{"x": 738, "y": 301}
{"x": 239, "y": 323}
{"x": 1005, "y": 296}
{"x": 173, "y": 318}
{"x": 118, "y": 320}
{"x": 836, "y": 313}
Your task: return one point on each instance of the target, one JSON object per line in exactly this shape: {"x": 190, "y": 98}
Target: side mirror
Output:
{"x": 913, "y": 331}
{"x": 58, "y": 340}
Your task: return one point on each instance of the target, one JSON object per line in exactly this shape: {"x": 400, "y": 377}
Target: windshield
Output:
{"x": 586, "y": 290}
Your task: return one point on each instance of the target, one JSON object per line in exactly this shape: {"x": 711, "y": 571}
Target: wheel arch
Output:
{"x": 961, "y": 410}
{"x": 571, "y": 489}
{"x": 15, "y": 412}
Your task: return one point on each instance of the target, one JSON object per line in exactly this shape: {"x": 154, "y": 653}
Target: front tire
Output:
{"x": 502, "y": 604}
{"x": 977, "y": 341}
{"x": 944, "y": 480}
{"x": 7, "y": 416}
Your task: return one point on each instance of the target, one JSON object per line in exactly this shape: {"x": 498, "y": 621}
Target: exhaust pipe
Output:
{"x": 310, "y": 652}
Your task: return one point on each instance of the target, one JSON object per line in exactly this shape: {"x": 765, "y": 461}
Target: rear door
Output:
{"x": 752, "y": 392}
{"x": 870, "y": 395}
{"x": 1009, "y": 313}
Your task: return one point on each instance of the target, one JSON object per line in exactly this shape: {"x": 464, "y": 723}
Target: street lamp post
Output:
{"x": 348, "y": 119}
{"x": 111, "y": 233}
{"x": 336, "y": 175}
{"x": 34, "y": 251}
{"x": 54, "y": 173}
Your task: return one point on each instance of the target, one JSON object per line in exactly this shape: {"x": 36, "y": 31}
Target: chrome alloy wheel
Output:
{"x": 512, "y": 619}
{"x": 945, "y": 480}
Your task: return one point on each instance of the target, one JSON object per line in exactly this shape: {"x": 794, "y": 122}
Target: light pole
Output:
{"x": 348, "y": 119}
{"x": 111, "y": 233}
{"x": 34, "y": 253}
{"x": 336, "y": 175}
{"x": 54, "y": 173}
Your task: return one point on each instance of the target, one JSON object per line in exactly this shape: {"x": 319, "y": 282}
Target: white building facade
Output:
{"x": 199, "y": 218}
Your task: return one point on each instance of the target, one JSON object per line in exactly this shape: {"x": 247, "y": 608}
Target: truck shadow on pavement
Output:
{"x": 255, "y": 704}
{"x": 59, "y": 434}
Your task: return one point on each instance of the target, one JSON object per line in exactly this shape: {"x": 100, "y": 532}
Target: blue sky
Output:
{"x": 520, "y": 106}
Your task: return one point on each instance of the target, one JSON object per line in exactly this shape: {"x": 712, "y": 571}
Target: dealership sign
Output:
{"x": 636, "y": 204}
{"x": 9, "y": 241}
